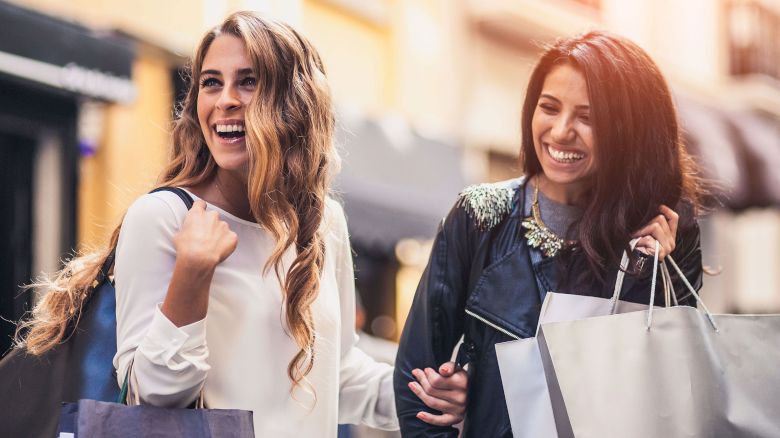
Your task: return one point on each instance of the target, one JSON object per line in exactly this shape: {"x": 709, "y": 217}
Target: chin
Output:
{"x": 233, "y": 164}
{"x": 566, "y": 178}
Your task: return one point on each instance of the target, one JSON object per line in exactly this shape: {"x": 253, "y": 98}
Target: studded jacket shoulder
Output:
{"x": 487, "y": 204}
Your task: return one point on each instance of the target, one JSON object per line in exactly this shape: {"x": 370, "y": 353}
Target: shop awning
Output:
{"x": 738, "y": 151}
{"x": 395, "y": 183}
{"x": 710, "y": 137}
{"x": 38, "y": 48}
{"x": 759, "y": 137}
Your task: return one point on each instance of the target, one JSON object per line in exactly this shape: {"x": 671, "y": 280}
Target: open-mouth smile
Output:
{"x": 562, "y": 156}
{"x": 230, "y": 131}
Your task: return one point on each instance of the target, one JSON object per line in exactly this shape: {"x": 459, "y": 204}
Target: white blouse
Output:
{"x": 239, "y": 353}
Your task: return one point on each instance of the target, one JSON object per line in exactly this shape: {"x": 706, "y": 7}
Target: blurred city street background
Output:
{"x": 428, "y": 96}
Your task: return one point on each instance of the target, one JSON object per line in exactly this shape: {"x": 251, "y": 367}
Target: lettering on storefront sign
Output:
{"x": 71, "y": 77}
{"x": 95, "y": 83}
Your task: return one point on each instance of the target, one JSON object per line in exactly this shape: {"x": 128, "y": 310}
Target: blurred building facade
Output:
{"x": 428, "y": 94}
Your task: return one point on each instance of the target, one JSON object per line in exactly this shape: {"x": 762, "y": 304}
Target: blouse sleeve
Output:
{"x": 169, "y": 362}
{"x": 365, "y": 385}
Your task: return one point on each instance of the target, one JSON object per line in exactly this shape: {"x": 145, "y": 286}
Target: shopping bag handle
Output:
{"x": 653, "y": 284}
{"x": 667, "y": 283}
{"x": 620, "y": 276}
{"x": 692, "y": 291}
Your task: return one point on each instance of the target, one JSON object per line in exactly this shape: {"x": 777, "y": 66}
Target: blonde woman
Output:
{"x": 248, "y": 298}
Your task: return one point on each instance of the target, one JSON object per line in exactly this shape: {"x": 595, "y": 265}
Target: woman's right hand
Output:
{"x": 661, "y": 229}
{"x": 204, "y": 240}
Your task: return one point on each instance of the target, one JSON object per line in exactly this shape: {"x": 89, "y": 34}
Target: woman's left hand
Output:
{"x": 444, "y": 391}
{"x": 662, "y": 228}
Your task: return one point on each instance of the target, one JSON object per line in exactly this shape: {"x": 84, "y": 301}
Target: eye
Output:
{"x": 585, "y": 118}
{"x": 548, "y": 108}
{"x": 249, "y": 82}
{"x": 209, "y": 82}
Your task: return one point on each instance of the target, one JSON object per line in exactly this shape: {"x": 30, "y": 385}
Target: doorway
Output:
{"x": 38, "y": 177}
{"x": 16, "y": 187}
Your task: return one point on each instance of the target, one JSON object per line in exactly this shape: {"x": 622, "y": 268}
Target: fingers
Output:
{"x": 440, "y": 420}
{"x": 646, "y": 245}
{"x": 662, "y": 228}
{"x": 657, "y": 227}
{"x": 429, "y": 400}
{"x": 231, "y": 242}
{"x": 447, "y": 394}
{"x": 672, "y": 217}
{"x": 197, "y": 211}
{"x": 447, "y": 369}
{"x": 451, "y": 412}
{"x": 443, "y": 384}
{"x": 199, "y": 205}
{"x": 204, "y": 238}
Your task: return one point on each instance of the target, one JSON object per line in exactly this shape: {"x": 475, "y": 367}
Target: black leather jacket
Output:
{"x": 481, "y": 283}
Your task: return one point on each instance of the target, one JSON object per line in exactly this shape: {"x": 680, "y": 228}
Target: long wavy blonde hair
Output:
{"x": 289, "y": 132}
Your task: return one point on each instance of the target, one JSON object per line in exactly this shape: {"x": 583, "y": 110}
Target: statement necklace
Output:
{"x": 537, "y": 233}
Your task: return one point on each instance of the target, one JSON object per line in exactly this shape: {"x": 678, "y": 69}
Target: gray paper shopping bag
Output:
{"x": 664, "y": 373}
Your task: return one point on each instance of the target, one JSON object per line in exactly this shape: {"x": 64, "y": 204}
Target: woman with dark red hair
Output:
{"x": 603, "y": 164}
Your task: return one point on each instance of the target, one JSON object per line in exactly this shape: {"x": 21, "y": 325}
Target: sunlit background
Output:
{"x": 428, "y": 95}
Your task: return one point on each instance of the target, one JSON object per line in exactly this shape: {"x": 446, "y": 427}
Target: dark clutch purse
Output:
{"x": 34, "y": 387}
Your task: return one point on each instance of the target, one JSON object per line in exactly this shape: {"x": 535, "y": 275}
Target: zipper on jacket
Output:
{"x": 502, "y": 330}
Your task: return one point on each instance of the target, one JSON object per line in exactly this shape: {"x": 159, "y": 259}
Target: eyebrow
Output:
{"x": 240, "y": 72}
{"x": 558, "y": 100}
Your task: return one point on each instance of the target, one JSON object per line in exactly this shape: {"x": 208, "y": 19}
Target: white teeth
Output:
{"x": 567, "y": 157}
{"x": 230, "y": 128}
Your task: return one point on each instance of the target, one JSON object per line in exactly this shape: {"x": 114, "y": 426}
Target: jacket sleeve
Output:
{"x": 687, "y": 255}
{"x": 435, "y": 321}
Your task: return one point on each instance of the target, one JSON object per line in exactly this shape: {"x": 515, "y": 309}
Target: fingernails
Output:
{"x": 445, "y": 369}
{"x": 413, "y": 386}
{"x": 422, "y": 415}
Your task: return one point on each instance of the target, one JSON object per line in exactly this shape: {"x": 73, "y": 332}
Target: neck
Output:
{"x": 228, "y": 192}
{"x": 567, "y": 194}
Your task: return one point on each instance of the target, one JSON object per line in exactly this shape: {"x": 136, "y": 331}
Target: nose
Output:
{"x": 562, "y": 131}
{"x": 228, "y": 99}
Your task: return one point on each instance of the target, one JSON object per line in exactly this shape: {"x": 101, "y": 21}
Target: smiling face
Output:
{"x": 227, "y": 84}
{"x": 562, "y": 133}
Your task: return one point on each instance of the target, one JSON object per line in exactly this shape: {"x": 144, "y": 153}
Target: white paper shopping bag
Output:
{"x": 521, "y": 367}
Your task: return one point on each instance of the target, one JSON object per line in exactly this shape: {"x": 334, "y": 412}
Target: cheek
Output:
{"x": 536, "y": 127}
{"x": 201, "y": 110}
{"x": 246, "y": 97}
{"x": 587, "y": 138}
{"x": 203, "y": 115}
